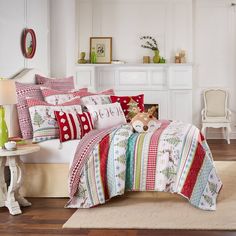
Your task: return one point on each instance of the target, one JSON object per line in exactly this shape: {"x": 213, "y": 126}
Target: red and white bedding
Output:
{"x": 175, "y": 158}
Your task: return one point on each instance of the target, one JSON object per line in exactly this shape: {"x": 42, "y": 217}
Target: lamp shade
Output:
{"x": 7, "y": 92}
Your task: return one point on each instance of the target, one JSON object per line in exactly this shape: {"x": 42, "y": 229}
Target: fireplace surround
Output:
{"x": 168, "y": 85}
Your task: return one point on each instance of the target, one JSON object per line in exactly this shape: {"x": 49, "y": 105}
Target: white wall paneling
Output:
{"x": 169, "y": 21}
{"x": 214, "y": 54}
{"x": 63, "y": 28}
{"x": 169, "y": 85}
{"x": 14, "y": 17}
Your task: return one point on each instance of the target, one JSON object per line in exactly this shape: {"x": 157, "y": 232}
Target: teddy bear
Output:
{"x": 145, "y": 121}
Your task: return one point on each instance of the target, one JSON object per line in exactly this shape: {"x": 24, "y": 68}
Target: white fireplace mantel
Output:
{"x": 169, "y": 85}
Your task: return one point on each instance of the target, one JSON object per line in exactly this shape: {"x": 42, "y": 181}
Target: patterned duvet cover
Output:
{"x": 175, "y": 158}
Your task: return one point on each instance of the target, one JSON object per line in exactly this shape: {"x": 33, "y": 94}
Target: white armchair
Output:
{"x": 216, "y": 114}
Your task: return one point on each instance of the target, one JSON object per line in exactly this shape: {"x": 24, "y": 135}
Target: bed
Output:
{"x": 109, "y": 161}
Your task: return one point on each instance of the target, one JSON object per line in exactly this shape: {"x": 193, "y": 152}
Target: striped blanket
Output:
{"x": 174, "y": 158}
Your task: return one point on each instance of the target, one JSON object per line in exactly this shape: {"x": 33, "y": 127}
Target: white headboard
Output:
{"x": 27, "y": 75}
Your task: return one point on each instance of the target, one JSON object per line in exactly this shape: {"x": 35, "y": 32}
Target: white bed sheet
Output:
{"x": 52, "y": 152}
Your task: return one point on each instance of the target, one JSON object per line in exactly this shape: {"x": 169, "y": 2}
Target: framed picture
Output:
{"x": 103, "y": 49}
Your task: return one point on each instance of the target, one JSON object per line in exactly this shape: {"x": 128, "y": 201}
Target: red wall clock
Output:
{"x": 28, "y": 43}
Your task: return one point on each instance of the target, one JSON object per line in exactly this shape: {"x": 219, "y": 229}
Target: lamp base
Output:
{"x": 3, "y": 128}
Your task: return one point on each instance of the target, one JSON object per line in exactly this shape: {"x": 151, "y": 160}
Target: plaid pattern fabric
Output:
{"x": 63, "y": 84}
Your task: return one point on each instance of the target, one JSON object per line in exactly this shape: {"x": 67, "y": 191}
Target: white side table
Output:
{"x": 11, "y": 197}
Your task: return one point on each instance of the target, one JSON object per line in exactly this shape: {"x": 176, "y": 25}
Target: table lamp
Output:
{"x": 7, "y": 97}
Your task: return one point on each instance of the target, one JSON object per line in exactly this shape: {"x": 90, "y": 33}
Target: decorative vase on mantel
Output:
{"x": 156, "y": 58}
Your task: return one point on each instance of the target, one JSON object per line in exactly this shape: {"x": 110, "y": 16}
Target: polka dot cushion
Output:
{"x": 131, "y": 105}
{"x": 73, "y": 126}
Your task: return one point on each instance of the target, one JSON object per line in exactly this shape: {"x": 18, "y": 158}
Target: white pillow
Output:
{"x": 98, "y": 99}
{"x": 107, "y": 115}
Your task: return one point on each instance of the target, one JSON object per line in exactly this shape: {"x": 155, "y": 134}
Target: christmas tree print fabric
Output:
{"x": 73, "y": 125}
{"x": 174, "y": 158}
{"x": 43, "y": 119}
{"x": 131, "y": 105}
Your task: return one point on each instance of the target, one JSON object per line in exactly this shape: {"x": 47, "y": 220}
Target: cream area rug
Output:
{"x": 163, "y": 210}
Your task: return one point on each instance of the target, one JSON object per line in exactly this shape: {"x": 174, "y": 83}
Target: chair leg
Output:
{"x": 228, "y": 131}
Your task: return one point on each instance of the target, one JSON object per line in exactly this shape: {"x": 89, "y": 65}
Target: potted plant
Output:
{"x": 151, "y": 43}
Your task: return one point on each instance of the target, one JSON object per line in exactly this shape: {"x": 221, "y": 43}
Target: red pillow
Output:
{"x": 131, "y": 105}
{"x": 73, "y": 126}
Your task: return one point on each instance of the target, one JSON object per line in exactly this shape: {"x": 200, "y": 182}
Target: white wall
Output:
{"x": 15, "y": 15}
{"x": 169, "y": 21}
{"x": 63, "y": 28}
{"x": 214, "y": 53}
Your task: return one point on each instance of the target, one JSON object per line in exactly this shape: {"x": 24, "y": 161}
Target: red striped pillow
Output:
{"x": 73, "y": 126}
{"x": 63, "y": 84}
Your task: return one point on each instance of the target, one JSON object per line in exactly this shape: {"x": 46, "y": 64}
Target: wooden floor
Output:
{"x": 46, "y": 216}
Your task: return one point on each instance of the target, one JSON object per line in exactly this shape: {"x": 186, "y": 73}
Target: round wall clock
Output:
{"x": 28, "y": 43}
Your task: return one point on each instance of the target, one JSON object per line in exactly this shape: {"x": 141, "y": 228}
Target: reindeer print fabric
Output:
{"x": 174, "y": 158}
{"x": 43, "y": 119}
{"x": 107, "y": 115}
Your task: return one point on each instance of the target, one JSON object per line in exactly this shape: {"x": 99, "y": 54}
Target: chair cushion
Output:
{"x": 215, "y": 103}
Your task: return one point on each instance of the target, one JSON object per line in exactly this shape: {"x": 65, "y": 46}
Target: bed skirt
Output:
{"x": 45, "y": 180}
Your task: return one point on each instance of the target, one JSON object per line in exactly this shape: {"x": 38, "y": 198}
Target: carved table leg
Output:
{"x": 22, "y": 201}
{"x": 11, "y": 203}
{"x": 3, "y": 186}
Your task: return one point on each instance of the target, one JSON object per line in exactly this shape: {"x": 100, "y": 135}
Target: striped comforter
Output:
{"x": 175, "y": 158}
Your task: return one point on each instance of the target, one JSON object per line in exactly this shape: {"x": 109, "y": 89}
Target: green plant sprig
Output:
{"x": 150, "y": 43}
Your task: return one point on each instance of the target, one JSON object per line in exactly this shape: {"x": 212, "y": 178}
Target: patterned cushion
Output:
{"x": 107, "y": 115}
{"x": 64, "y": 84}
{"x": 73, "y": 126}
{"x": 23, "y": 91}
{"x": 56, "y": 97}
{"x": 43, "y": 118}
{"x": 131, "y": 105}
{"x": 96, "y": 98}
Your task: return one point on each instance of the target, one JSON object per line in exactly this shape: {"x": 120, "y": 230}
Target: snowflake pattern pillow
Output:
{"x": 56, "y": 97}
{"x": 73, "y": 126}
{"x": 131, "y": 105}
{"x": 107, "y": 115}
{"x": 43, "y": 118}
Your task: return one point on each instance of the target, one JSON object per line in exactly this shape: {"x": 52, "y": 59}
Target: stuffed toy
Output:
{"x": 145, "y": 121}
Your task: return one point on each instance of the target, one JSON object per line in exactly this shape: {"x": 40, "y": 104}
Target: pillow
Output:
{"x": 23, "y": 91}
{"x": 145, "y": 121}
{"x": 64, "y": 84}
{"x": 43, "y": 119}
{"x": 73, "y": 126}
{"x": 131, "y": 105}
{"x": 96, "y": 98}
{"x": 106, "y": 116}
{"x": 56, "y": 97}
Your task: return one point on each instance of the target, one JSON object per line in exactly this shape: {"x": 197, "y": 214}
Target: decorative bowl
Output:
{"x": 10, "y": 145}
